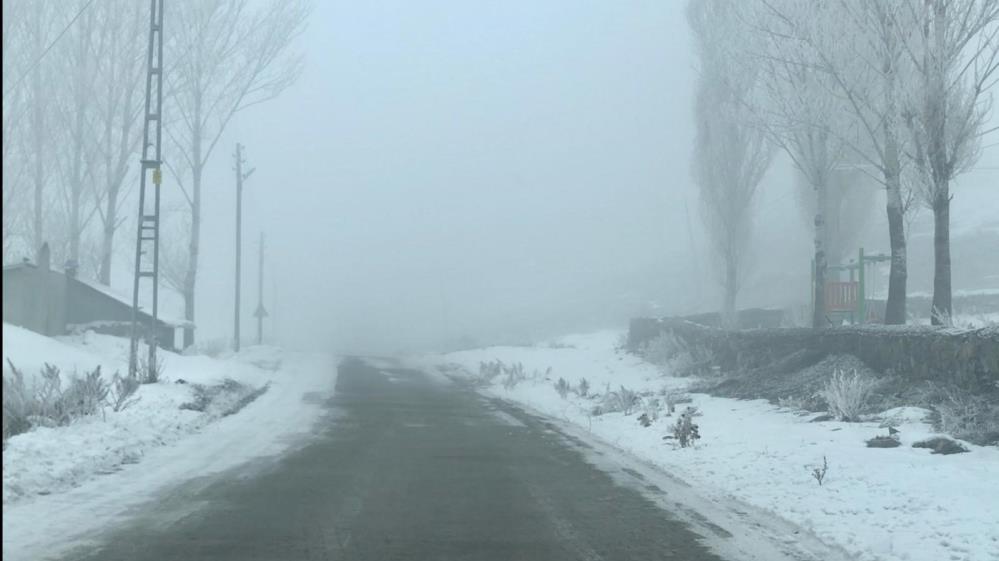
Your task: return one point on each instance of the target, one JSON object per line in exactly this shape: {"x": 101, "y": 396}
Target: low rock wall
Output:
{"x": 969, "y": 359}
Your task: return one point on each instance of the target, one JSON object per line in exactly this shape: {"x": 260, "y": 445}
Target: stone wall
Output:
{"x": 752, "y": 318}
{"x": 969, "y": 359}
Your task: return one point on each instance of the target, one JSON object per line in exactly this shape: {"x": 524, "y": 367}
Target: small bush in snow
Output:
{"x": 55, "y": 406}
{"x": 48, "y": 391}
{"x": 488, "y": 371}
{"x": 662, "y": 350}
{"x": 819, "y": 472}
{"x": 674, "y": 356}
{"x": 203, "y": 396}
{"x": 674, "y": 398}
{"x": 122, "y": 393}
{"x": 847, "y": 394}
{"x": 583, "y": 390}
{"x": 84, "y": 396}
{"x": 562, "y": 387}
{"x": 686, "y": 431}
{"x": 47, "y": 403}
{"x": 651, "y": 407}
{"x": 623, "y": 400}
{"x": 17, "y": 404}
{"x": 970, "y": 417}
{"x": 513, "y": 375}
{"x": 150, "y": 373}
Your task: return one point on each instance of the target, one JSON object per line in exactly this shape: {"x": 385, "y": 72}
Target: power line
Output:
{"x": 48, "y": 48}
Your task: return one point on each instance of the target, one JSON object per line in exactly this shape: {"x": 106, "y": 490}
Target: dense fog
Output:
{"x": 447, "y": 173}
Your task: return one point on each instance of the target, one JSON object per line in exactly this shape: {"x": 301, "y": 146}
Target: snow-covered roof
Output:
{"x": 21, "y": 265}
{"x": 127, "y": 300}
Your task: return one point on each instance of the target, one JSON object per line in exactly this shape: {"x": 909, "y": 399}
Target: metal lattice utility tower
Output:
{"x": 147, "y": 242}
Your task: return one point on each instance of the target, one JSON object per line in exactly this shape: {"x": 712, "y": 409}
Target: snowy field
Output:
{"x": 878, "y": 504}
{"x": 61, "y": 483}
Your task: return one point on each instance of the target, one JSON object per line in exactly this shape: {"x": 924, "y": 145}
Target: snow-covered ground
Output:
{"x": 879, "y": 504}
{"x": 62, "y": 483}
{"x": 969, "y": 321}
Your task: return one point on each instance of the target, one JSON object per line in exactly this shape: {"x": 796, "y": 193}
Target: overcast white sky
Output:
{"x": 448, "y": 169}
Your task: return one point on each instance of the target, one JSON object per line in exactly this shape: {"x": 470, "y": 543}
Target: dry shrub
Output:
{"x": 967, "y": 416}
{"x": 47, "y": 403}
{"x": 847, "y": 394}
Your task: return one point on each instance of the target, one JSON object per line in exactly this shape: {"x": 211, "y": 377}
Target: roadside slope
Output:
{"x": 64, "y": 484}
{"x": 877, "y": 504}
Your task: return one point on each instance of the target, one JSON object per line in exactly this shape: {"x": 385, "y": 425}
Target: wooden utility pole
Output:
{"x": 240, "y": 177}
{"x": 260, "y": 313}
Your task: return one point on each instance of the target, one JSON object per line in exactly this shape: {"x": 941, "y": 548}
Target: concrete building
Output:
{"x": 52, "y": 303}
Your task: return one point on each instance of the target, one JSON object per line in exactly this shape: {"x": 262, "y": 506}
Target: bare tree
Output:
{"x": 40, "y": 25}
{"x": 229, "y": 56}
{"x": 71, "y": 102}
{"x": 173, "y": 257}
{"x": 850, "y": 205}
{"x": 955, "y": 54}
{"x": 871, "y": 73}
{"x": 73, "y": 95}
{"x": 731, "y": 154}
{"x": 859, "y": 46}
{"x": 118, "y": 51}
{"x": 15, "y": 39}
{"x": 801, "y": 115}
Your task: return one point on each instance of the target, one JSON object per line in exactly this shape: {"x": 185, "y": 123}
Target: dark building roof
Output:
{"x": 116, "y": 296}
{"x": 106, "y": 293}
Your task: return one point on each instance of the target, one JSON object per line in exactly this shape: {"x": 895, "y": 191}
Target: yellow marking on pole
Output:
{"x": 157, "y": 176}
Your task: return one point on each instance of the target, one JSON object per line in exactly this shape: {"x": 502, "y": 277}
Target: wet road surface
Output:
{"x": 409, "y": 467}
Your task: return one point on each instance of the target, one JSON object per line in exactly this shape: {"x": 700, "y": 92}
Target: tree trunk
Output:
{"x": 729, "y": 316}
{"x": 76, "y": 187}
{"x": 942, "y": 308}
{"x": 940, "y": 163}
{"x": 115, "y": 170}
{"x": 75, "y": 228}
{"x": 898, "y": 274}
{"x": 107, "y": 236}
{"x": 895, "y": 308}
{"x": 191, "y": 276}
{"x": 37, "y": 132}
{"x": 81, "y": 99}
{"x": 819, "y": 287}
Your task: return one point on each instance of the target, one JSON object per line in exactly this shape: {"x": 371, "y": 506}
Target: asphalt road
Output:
{"x": 407, "y": 467}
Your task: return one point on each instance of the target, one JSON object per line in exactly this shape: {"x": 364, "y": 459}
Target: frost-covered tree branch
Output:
{"x": 731, "y": 154}
{"x": 799, "y": 110}
{"x": 856, "y": 48}
{"x": 955, "y": 56}
{"x": 230, "y": 54}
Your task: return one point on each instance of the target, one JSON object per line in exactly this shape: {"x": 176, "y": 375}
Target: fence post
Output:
{"x": 811, "y": 307}
{"x": 861, "y": 294}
